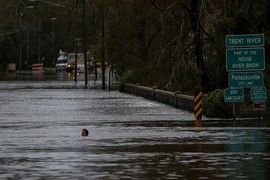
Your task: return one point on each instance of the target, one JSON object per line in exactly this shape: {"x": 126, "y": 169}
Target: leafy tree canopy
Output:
{"x": 176, "y": 45}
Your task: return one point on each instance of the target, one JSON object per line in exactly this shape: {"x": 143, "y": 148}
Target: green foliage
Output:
{"x": 215, "y": 105}
{"x": 128, "y": 77}
{"x": 151, "y": 42}
{"x": 131, "y": 76}
{"x": 49, "y": 70}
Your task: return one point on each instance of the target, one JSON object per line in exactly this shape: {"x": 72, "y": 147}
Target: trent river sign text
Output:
{"x": 245, "y": 40}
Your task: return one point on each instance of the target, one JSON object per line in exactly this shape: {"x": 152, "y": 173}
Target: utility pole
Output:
{"x": 39, "y": 34}
{"x": 84, "y": 46}
{"x": 102, "y": 50}
{"x": 53, "y": 37}
{"x": 76, "y": 45}
{"x": 20, "y": 53}
{"x": 27, "y": 47}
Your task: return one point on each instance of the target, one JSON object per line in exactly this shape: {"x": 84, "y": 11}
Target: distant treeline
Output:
{"x": 176, "y": 45}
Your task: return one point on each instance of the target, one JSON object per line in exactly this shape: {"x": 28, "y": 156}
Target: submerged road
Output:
{"x": 129, "y": 137}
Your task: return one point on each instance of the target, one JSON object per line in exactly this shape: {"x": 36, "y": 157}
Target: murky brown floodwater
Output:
{"x": 130, "y": 138}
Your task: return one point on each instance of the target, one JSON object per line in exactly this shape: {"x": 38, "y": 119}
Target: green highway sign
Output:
{"x": 245, "y": 59}
{"x": 234, "y": 95}
{"x": 258, "y": 94}
{"x": 244, "y": 40}
{"x": 245, "y": 79}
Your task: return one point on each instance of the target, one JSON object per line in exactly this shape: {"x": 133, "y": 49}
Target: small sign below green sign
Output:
{"x": 245, "y": 79}
{"x": 234, "y": 95}
{"x": 245, "y": 59}
{"x": 244, "y": 40}
{"x": 258, "y": 106}
{"x": 258, "y": 94}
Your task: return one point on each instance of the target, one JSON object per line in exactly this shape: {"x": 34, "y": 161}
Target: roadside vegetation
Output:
{"x": 176, "y": 45}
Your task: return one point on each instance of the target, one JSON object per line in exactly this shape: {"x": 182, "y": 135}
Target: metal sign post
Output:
{"x": 259, "y": 106}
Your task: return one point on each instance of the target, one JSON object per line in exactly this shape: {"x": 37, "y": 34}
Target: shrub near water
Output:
{"x": 215, "y": 107}
{"x": 49, "y": 70}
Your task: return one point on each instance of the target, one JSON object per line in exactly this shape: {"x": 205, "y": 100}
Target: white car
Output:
{"x": 61, "y": 64}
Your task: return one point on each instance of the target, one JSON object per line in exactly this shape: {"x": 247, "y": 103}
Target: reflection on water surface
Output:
{"x": 130, "y": 137}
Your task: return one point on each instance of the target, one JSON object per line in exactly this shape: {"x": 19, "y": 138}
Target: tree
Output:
{"x": 176, "y": 45}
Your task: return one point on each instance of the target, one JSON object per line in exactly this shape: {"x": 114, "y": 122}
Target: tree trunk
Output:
{"x": 196, "y": 27}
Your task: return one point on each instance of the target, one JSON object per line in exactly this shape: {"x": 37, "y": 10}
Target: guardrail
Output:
{"x": 174, "y": 99}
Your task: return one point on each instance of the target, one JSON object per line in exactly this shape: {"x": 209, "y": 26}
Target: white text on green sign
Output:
{"x": 244, "y": 40}
{"x": 258, "y": 94}
{"x": 245, "y": 59}
{"x": 245, "y": 79}
{"x": 234, "y": 95}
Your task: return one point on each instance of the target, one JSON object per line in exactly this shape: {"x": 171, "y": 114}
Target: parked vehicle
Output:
{"x": 61, "y": 63}
{"x": 71, "y": 62}
{"x": 66, "y": 62}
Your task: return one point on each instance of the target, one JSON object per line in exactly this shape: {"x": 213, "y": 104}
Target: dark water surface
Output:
{"x": 130, "y": 138}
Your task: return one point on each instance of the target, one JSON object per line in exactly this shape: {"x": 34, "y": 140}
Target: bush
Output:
{"x": 132, "y": 77}
{"x": 125, "y": 78}
{"x": 49, "y": 70}
{"x": 216, "y": 107}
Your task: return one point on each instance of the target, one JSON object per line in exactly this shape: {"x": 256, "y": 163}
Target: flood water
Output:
{"x": 129, "y": 137}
